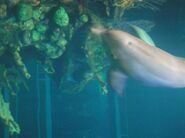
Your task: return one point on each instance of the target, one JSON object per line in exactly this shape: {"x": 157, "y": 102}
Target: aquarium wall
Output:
{"x": 53, "y": 70}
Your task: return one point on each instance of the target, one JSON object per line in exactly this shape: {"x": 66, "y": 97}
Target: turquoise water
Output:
{"x": 143, "y": 112}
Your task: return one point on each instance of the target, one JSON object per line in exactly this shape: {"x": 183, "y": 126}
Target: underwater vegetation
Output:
{"x": 7, "y": 117}
{"x": 45, "y": 30}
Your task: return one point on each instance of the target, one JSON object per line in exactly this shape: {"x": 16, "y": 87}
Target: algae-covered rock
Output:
{"x": 51, "y": 50}
{"x": 61, "y": 17}
{"x": 40, "y": 11}
{"x": 42, "y": 28}
{"x": 25, "y": 12}
{"x": 48, "y": 66}
{"x": 3, "y": 10}
{"x": 28, "y": 25}
{"x": 6, "y": 116}
{"x": 62, "y": 42}
{"x": 20, "y": 63}
{"x": 84, "y": 18}
{"x": 36, "y": 36}
{"x": 13, "y": 2}
{"x": 96, "y": 57}
{"x": 26, "y": 38}
{"x": 37, "y": 15}
{"x": 8, "y": 32}
{"x": 57, "y": 34}
{"x": 2, "y": 50}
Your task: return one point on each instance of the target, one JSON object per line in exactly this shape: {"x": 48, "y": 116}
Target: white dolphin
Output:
{"x": 132, "y": 57}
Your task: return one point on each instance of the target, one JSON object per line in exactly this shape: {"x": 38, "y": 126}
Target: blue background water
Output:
{"x": 143, "y": 112}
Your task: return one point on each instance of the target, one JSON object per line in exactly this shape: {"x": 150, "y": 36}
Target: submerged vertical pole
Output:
{"x": 38, "y": 102}
{"x": 6, "y": 135}
{"x": 117, "y": 117}
{"x": 48, "y": 108}
{"x": 126, "y": 116}
{"x": 44, "y": 123}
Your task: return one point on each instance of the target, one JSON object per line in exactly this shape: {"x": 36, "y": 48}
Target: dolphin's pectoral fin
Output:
{"x": 140, "y": 33}
{"x": 117, "y": 80}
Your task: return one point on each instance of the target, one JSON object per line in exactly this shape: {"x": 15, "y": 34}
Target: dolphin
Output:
{"x": 134, "y": 58}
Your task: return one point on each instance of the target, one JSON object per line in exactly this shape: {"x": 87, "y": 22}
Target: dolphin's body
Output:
{"x": 134, "y": 58}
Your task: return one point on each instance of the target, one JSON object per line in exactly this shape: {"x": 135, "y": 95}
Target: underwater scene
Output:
{"x": 92, "y": 68}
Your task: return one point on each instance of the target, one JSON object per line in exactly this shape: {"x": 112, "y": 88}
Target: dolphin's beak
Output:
{"x": 98, "y": 30}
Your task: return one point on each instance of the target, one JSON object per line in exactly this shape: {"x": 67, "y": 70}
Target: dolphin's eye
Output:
{"x": 129, "y": 43}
